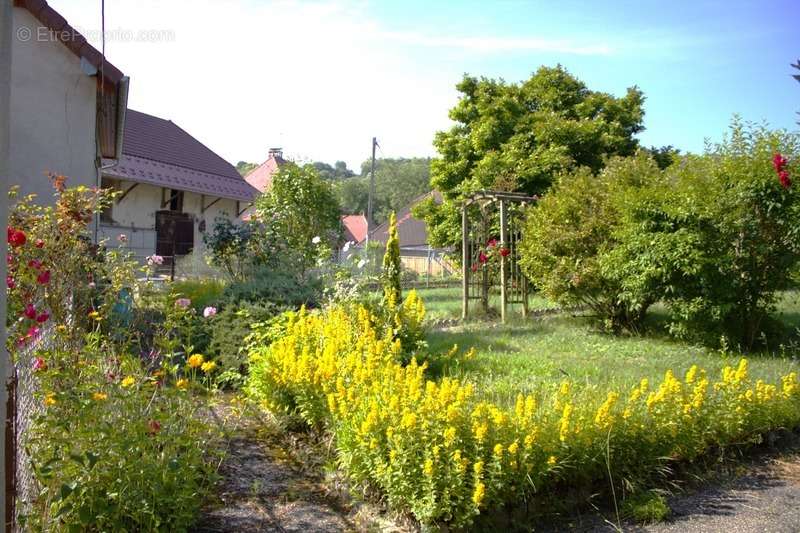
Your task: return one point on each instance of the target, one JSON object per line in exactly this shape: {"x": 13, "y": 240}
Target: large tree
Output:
{"x": 517, "y": 137}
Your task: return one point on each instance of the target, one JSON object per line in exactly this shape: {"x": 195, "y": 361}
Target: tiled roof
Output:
{"x": 158, "y": 152}
{"x": 261, "y": 176}
{"x": 355, "y": 228}
{"x": 411, "y": 231}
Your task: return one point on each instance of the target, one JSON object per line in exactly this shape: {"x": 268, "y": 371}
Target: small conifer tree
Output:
{"x": 391, "y": 267}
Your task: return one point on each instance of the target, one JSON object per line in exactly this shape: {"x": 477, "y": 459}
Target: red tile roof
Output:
{"x": 261, "y": 176}
{"x": 159, "y": 152}
{"x": 355, "y": 228}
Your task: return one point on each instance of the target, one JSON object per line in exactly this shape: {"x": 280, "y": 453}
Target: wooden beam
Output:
{"x": 238, "y": 212}
{"x": 128, "y": 190}
{"x": 203, "y": 207}
{"x": 503, "y": 261}
{"x": 168, "y": 200}
{"x": 464, "y": 262}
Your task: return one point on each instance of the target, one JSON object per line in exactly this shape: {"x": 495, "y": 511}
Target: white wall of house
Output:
{"x": 52, "y": 122}
{"x": 135, "y": 217}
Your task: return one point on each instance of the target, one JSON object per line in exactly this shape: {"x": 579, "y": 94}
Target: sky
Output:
{"x": 321, "y": 78}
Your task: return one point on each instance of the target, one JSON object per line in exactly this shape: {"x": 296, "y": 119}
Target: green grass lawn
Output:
{"x": 525, "y": 355}
{"x": 445, "y": 303}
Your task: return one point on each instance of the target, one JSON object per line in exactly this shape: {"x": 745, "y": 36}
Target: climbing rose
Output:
{"x": 43, "y": 317}
{"x": 778, "y": 161}
{"x": 155, "y": 260}
{"x": 16, "y": 237}
{"x": 482, "y": 257}
{"x": 474, "y": 267}
{"x": 10, "y": 283}
{"x": 209, "y": 311}
{"x": 44, "y": 277}
{"x": 504, "y": 252}
{"x": 39, "y": 364}
{"x": 39, "y": 243}
{"x": 492, "y": 243}
{"x": 786, "y": 182}
{"x": 30, "y": 311}
{"x": 35, "y": 263}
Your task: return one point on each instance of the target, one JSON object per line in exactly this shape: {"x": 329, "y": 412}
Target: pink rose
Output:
{"x": 39, "y": 364}
{"x": 43, "y": 317}
{"x": 209, "y": 311}
{"x": 44, "y": 277}
{"x": 30, "y": 311}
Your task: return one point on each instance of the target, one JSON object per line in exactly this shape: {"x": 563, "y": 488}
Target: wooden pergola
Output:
{"x": 490, "y": 233}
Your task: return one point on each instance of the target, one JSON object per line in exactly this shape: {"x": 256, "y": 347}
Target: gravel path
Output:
{"x": 766, "y": 499}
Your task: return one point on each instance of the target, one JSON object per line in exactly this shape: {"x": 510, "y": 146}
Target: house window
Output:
{"x": 176, "y": 200}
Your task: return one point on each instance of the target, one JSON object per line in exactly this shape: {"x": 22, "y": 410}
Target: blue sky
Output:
{"x": 321, "y": 78}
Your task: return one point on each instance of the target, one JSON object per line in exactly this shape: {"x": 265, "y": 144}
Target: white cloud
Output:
{"x": 318, "y": 79}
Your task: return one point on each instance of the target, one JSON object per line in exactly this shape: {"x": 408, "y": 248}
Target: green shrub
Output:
{"x": 722, "y": 234}
{"x": 228, "y": 330}
{"x": 202, "y": 292}
{"x": 274, "y": 286}
{"x": 571, "y": 234}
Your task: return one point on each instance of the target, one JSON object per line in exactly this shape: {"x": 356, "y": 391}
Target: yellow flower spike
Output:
{"x": 513, "y": 448}
{"x": 182, "y": 384}
{"x": 498, "y": 450}
{"x": 563, "y": 431}
{"x": 478, "y": 494}
{"x": 603, "y": 419}
{"x": 691, "y": 374}
{"x": 208, "y": 366}
{"x": 449, "y": 436}
{"x": 551, "y": 461}
{"x": 128, "y": 381}
{"x": 195, "y": 360}
{"x": 478, "y": 468}
{"x": 99, "y": 396}
{"x": 50, "y": 399}
{"x": 741, "y": 371}
{"x": 427, "y": 468}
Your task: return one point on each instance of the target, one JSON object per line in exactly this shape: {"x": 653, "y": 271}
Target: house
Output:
{"x": 260, "y": 177}
{"x": 354, "y": 228}
{"x": 415, "y": 253}
{"x": 172, "y": 188}
{"x": 67, "y": 103}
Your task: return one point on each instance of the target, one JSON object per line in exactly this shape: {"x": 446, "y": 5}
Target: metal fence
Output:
{"x": 22, "y": 409}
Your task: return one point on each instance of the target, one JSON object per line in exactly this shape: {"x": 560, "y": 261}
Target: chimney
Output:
{"x": 276, "y": 152}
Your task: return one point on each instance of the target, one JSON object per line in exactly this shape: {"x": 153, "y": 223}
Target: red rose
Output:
{"x": 491, "y": 243}
{"x": 33, "y": 331}
{"x": 35, "y": 263}
{"x": 10, "y": 283}
{"x": 43, "y": 317}
{"x": 778, "y": 161}
{"x": 786, "y": 182}
{"x": 153, "y": 427}
{"x": 44, "y": 277}
{"x": 504, "y": 252}
{"x": 39, "y": 364}
{"x": 30, "y": 311}
{"x": 16, "y": 238}
{"x": 482, "y": 257}
{"x": 39, "y": 243}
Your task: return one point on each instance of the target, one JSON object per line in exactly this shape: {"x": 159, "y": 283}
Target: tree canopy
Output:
{"x": 517, "y": 137}
{"x": 301, "y": 206}
{"x": 397, "y": 182}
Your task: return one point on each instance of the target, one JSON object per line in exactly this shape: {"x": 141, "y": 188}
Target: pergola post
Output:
{"x": 503, "y": 261}
{"x": 464, "y": 262}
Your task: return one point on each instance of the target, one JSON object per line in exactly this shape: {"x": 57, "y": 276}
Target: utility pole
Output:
{"x": 371, "y": 191}
{"x": 6, "y": 27}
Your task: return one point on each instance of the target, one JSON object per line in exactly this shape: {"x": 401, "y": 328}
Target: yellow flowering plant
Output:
{"x": 440, "y": 451}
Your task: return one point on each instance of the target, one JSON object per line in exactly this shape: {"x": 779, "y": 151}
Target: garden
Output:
{"x": 664, "y": 336}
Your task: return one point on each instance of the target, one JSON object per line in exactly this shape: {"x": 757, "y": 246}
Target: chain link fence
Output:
{"x": 22, "y": 409}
